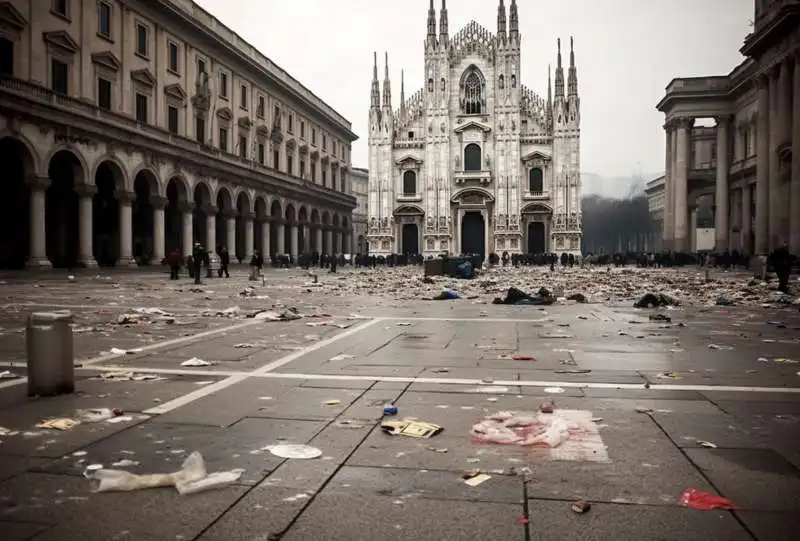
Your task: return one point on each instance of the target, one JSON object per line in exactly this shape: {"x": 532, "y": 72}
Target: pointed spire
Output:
{"x": 375, "y": 101}
{"x": 431, "y": 24}
{"x": 501, "y": 21}
{"x": 572, "y": 86}
{"x": 402, "y": 95}
{"x": 443, "y": 39}
{"x": 559, "y": 74}
{"x": 387, "y": 86}
{"x": 513, "y": 20}
{"x": 549, "y": 90}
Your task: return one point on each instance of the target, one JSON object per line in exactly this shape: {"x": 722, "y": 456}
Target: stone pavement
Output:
{"x": 654, "y": 389}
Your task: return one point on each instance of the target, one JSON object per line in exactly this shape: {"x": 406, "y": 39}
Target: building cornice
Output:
{"x": 189, "y": 14}
{"x": 769, "y": 28}
{"x": 75, "y": 117}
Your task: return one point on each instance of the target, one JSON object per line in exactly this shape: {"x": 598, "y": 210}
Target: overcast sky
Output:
{"x": 626, "y": 52}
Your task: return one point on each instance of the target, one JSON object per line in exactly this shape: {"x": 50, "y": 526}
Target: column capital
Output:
{"x": 249, "y": 216}
{"x": 125, "y": 197}
{"x": 230, "y": 214}
{"x": 209, "y": 210}
{"x": 762, "y": 80}
{"x": 159, "y": 202}
{"x": 186, "y": 207}
{"x": 38, "y": 182}
{"x": 724, "y": 120}
{"x": 85, "y": 190}
{"x": 684, "y": 122}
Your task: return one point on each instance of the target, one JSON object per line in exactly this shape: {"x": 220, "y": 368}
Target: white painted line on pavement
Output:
{"x": 321, "y": 344}
{"x": 91, "y": 306}
{"x": 175, "y": 341}
{"x": 469, "y": 319}
{"x": 233, "y": 380}
{"x": 195, "y": 395}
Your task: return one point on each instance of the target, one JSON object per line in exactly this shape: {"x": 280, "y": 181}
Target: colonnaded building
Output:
{"x": 748, "y": 163}
{"x": 129, "y": 128}
{"x": 475, "y": 162}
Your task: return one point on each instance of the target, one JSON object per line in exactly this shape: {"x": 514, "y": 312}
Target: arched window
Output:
{"x": 409, "y": 183}
{"x": 472, "y": 157}
{"x": 535, "y": 181}
{"x": 473, "y": 94}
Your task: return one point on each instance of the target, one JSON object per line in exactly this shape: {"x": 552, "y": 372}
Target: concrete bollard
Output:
{"x": 51, "y": 368}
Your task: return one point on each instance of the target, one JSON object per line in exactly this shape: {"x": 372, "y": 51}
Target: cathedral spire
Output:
{"x": 513, "y": 20}
{"x": 387, "y": 86}
{"x": 559, "y": 74}
{"x": 402, "y": 95}
{"x": 501, "y": 21}
{"x": 549, "y": 92}
{"x": 375, "y": 101}
{"x": 572, "y": 87}
{"x": 431, "y": 25}
{"x": 443, "y": 39}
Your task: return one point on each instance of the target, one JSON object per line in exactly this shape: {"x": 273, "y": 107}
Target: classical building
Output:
{"x": 129, "y": 129}
{"x": 359, "y": 184}
{"x": 749, "y": 163}
{"x": 475, "y": 162}
{"x": 654, "y": 191}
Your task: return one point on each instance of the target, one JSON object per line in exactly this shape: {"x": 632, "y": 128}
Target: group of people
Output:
{"x": 201, "y": 258}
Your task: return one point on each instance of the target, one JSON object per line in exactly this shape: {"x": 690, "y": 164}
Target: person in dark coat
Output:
{"x": 224, "y": 261}
{"x": 174, "y": 260}
{"x": 198, "y": 257}
{"x": 782, "y": 261}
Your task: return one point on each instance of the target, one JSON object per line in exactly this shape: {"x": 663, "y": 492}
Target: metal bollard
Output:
{"x": 51, "y": 368}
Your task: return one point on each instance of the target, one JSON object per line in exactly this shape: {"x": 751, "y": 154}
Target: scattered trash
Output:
{"x": 125, "y": 463}
{"x": 341, "y": 357}
{"x": 547, "y": 405}
{"x": 581, "y": 506}
{"x": 331, "y": 402}
{"x": 518, "y": 357}
{"x": 118, "y": 351}
{"x": 58, "y": 424}
{"x": 438, "y": 449}
{"x": 477, "y": 479}
{"x": 668, "y": 375}
{"x": 191, "y": 478}
{"x": 707, "y": 444}
{"x": 414, "y": 429}
{"x": 522, "y": 429}
{"x": 572, "y": 371}
{"x": 469, "y": 474}
{"x": 7, "y": 374}
{"x": 554, "y": 390}
{"x": 697, "y": 499}
{"x": 644, "y": 410}
{"x": 195, "y": 362}
{"x": 98, "y": 415}
{"x": 296, "y": 451}
{"x": 389, "y": 409}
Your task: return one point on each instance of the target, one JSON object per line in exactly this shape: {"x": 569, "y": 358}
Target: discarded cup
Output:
{"x": 389, "y": 409}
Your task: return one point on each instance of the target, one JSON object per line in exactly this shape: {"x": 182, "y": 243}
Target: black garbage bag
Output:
{"x": 652, "y": 300}
{"x": 518, "y": 297}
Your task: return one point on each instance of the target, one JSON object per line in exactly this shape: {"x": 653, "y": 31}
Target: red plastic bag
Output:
{"x": 697, "y": 499}
{"x": 518, "y": 357}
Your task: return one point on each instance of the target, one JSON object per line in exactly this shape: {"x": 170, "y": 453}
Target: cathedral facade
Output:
{"x": 475, "y": 162}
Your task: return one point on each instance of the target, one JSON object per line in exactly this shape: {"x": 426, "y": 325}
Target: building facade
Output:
{"x": 654, "y": 191}
{"x": 129, "y": 129}
{"x": 475, "y": 162}
{"x": 359, "y": 183}
{"x": 749, "y": 163}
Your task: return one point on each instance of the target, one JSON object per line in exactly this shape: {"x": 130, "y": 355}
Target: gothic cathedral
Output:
{"x": 475, "y": 162}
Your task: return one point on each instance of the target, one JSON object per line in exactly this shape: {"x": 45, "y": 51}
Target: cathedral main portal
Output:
{"x": 473, "y": 233}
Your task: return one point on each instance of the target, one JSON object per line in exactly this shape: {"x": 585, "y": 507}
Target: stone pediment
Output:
{"x": 407, "y": 210}
{"x": 174, "y": 90}
{"x": 107, "y": 59}
{"x": 474, "y": 125}
{"x": 408, "y": 160}
{"x": 62, "y": 40}
{"x": 10, "y": 16}
{"x": 539, "y": 207}
{"x": 224, "y": 113}
{"x": 144, "y": 76}
{"x": 244, "y": 122}
{"x": 536, "y": 156}
{"x": 472, "y": 196}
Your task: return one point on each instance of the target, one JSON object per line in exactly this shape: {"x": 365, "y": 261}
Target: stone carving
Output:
{"x": 442, "y": 222}
{"x": 442, "y": 85}
{"x": 458, "y": 161}
{"x": 202, "y": 93}
{"x": 472, "y": 199}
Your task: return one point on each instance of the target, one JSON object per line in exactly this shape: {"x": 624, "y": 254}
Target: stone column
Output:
{"x": 794, "y": 186}
{"x": 186, "y": 209}
{"x": 740, "y": 151}
{"x": 86, "y": 194}
{"x": 159, "y": 252}
{"x": 125, "y": 200}
{"x": 693, "y": 230}
{"x": 747, "y": 219}
{"x": 280, "y": 248}
{"x": 211, "y": 228}
{"x": 293, "y": 240}
{"x": 306, "y": 239}
{"x": 669, "y": 220}
{"x": 681, "y": 179}
{"x": 348, "y": 237}
{"x": 762, "y": 167}
{"x": 735, "y": 220}
{"x": 329, "y": 247}
{"x": 318, "y": 241}
{"x": 248, "y": 236}
{"x": 265, "y": 239}
{"x": 230, "y": 232}
{"x": 775, "y": 202}
{"x": 722, "y": 196}
{"x": 37, "y": 251}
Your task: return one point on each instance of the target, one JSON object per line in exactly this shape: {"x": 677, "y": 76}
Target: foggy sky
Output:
{"x": 626, "y": 52}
